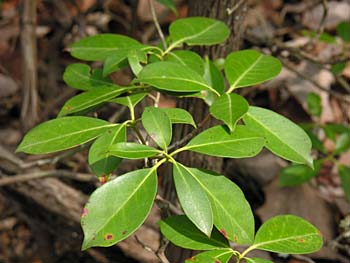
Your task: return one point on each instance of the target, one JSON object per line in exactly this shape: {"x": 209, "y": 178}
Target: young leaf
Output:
{"x": 344, "y": 174}
{"x": 172, "y": 76}
{"x": 193, "y": 199}
{"x": 177, "y": 115}
{"x": 198, "y": 31}
{"x": 218, "y": 141}
{"x": 79, "y": 76}
{"x": 213, "y": 76}
{"x": 187, "y": 58}
{"x": 283, "y": 137}
{"x": 297, "y": 174}
{"x": 99, "y": 161}
{"x": 61, "y": 134}
{"x": 100, "y": 47}
{"x": 169, "y": 4}
{"x": 314, "y": 104}
{"x": 132, "y": 150}
{"x": 213, "y": 256}
{"x": 257, "y": 260}
{"x": 288, "y": 234}
{"x": 229, "y": 108}
{"x": 158, "y": 126}
{"x": 342, "y": 143}
{"x": 343, "y": 30}
{"x": 89, "y": 99}
{"x": 183, "y": 233}
{"x": 232, "y": 213}
{"x": 249, "y": 67}
{"x": 104, "y": 222}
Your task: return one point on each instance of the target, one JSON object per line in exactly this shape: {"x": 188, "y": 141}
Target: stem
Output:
{"x": 156, "y": 23}
{"x": 246, "y": 252}
{"x": 171, "y": 47}
{"x": 138, "y": 133}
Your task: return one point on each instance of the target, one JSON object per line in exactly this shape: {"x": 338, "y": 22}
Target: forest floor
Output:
{"x": 40, "y": 211}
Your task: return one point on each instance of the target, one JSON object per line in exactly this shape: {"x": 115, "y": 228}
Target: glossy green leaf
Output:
{"x": 257, "y": 260}
{"x": 169, "y": 4}
{"x": 99, "y": 160}
{"x": 343, "y": 30}
{"x": 229, "y": 108}
{"x": 314, "y": 104}
{"x": 100, "y": 47}
{"x": 283, "y": 137}
{"x": 103, "y": 220}
{"x": 213, "y": 76}
{"x": 218, "y": 141}
{"x": 61, "y": 134}
{"x": 134, "y": 62}
{"x": 344, "y": 174}
{"x": 172, "y": 76}
{"x": 187, "y": 58}
{"x": 342, "y": 143}
{"x": 177, "y": 115}
{"x": 90, "y": 99}
{"x": 297, "y": 174}
{"x": 198, "y": 31}
{"x": 132, "y": 150}
{"x": 116, "y": 61}
{"x": 288, "y": 234}
{"x": 193, "y": 199}
{"x": 158, "y": 125}
{"x": 249, "y": 67}
{"x": 79, "y": 76}
{"x": 232, "y": 213}
{"x": 213, "y": 256}
{"x": 182, "y": 232}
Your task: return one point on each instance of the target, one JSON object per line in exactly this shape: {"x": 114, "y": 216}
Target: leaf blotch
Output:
{"x": 192, "y": 259}
{"x": 301, "y": 240}
{"x": 85, "y": 212}
{"x": 109, "y": 236}
{"x": 224, "y": 233}
{"x": 124, "y": 232}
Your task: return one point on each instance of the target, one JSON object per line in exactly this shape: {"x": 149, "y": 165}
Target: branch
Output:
{"x": 156, "y": 23}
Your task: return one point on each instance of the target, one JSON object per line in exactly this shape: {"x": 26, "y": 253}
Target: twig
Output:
{"x": 160, "y": 254}
{"x": 304, "y": 258}
{"x": 161, "y": 202}
{"x": 323, "y": 19}
{"x": 230, "y": 11}
{"x": 20, "y": 178}
{"x": 156, "y": 23}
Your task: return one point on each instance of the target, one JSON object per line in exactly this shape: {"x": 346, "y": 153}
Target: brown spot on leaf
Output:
{"x": 218, "y": 261}
{"x": 235, "y": 238}
{"x": 301, "y": 240}
{"x": 69, "y": 107}
{"x": 109, "y": 236}
{"x": 224, "y": 233}
{"x": 192, "y": 259}
{"x": 85, "y": 212}
{"x": 124, "y": 232}
{"x": 103, "y": 179}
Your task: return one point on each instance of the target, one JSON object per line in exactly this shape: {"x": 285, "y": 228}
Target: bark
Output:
{"x": 232, "y": 13}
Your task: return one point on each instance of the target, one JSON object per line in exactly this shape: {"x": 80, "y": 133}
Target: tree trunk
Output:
{"x": 232, "y": 13}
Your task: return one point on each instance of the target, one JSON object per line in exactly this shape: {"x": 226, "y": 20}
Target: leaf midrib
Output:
{"x": 221, "y": 142}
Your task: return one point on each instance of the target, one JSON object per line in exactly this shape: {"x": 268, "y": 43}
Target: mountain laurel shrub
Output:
{"x": 215, "y": 209}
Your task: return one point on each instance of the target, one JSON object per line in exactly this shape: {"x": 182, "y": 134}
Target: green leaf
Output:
{"x": 314, "y": 104}
{"x": 344, "y": 174}
{"x": 158, "y": 126}
{"x": 229, "y": 108}
{"x": 213, "y": 256}
{"x": 331, "y": 130}
{"x": 288, "y": 234}
{"x": 343, "y": 30}
{"x": 338, "y": 68}
{"x": 324, "y": 37}
{"x": 130, "y": 101}
{"x": 177, "y": 115}
{"x": 183, "y": 233}
{"x": 79, "y": 76}
{"x": 169, "y": 4}
{"x": 116, "y": 61}
{"x": 232, "y": 213}
{"x": 257, "y": 260}
{"x": 171, "y": 76}
{"x": 132, "y": 150}
{"x": 198, "y": 31}
{"x": 99, "y": 161}
{"x": 187, "y": 58}
{"x": 297, "y": 174}
{"x": 213, "y": 76}
{"x": 218, "y": 141}
{"x": 283, "y": 137}
{"x": 134, "y": 62}
{"x": 342, "y": 143}
{"x": 316, "y": 142}
{"x": 104, "y": 222}
{"x": 193, "y": 199}
{"x": 61, "y": 134}
{"x": 100, "y": 47}
{"x": 249, "y": 67}
{"x": 89, "y": 99}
